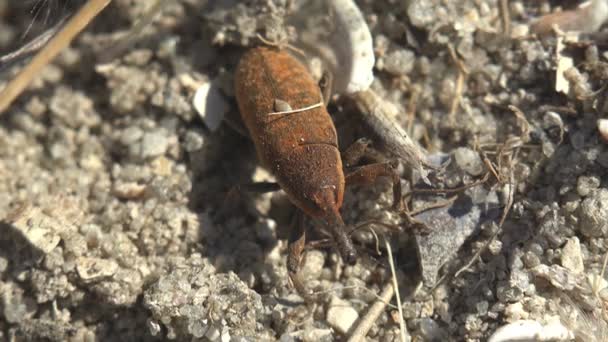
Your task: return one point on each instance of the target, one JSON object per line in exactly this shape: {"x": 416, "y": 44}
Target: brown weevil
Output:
{"x": 295, "y": 139}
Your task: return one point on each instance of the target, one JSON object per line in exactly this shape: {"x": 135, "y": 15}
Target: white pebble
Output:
{"x": 346, "y": 48}
{"x": 602, "y": 127}
{"x": 341, "y": 315}
{"x": 154, "y": 144}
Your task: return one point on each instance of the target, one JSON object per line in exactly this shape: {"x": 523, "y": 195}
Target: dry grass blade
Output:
{"x": 63, "y": 38}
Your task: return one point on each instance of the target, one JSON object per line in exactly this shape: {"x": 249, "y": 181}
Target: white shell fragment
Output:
{"x": 210, "y": 105}
{"x": 528, "y": 330}
{"x": 342, "y": 41}
{"x": 586, "y": 18}
{"x": 353, "y": 47}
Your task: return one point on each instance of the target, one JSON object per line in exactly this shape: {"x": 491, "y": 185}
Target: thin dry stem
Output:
{"x": 506, "y": 17}
{"x": 372, "y": 314}
{"x": 65, "y": 36}
{"x": 462, "y": 74}
{"x": 402, "y": 328}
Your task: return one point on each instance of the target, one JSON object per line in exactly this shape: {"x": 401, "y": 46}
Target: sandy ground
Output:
{"x": 112, "y": 188}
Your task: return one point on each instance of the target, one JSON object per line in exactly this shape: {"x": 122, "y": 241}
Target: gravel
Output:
{"x": 114, "y": 219}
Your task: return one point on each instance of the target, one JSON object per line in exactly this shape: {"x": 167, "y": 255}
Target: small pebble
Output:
{"x": 430, "y": 330}
{"x": 193, "y": 141}
{"x": 93, "y": 269}
{"x": 469, "y": 161}
{"x": 602, "y": 127}
{"x": 39, "y": 229}
{"x": 154, "y": 144}
{"x": 313, "y": 264}
{"x": 572, "y": 257}
{"x": 515, "y": 312}
{"x": 131, "y": 135}
{"x": 128, "y": 190}
{"x": 585, "y": 184}
{"x": 341, "y": 315}
{"x": 592, "y": 214}
{"x": 560, "y": 277}
{"x": 398, "y": 63}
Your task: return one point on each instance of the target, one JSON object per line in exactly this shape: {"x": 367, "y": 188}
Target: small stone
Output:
{"x": 572, "y": 257}
{"x": 508, "y": 293}
{"x": 128, "y": 190}
{"x": 495, "y": 247}
{"x": 430, "y": 330}
{"x": 341, "y": 315}
{"x": 39, "y": 229}
{"x": 213, "y": 334}
{"x": 154, "y": 144}
{"x": 399, "y": 62}
{"x": 602, "y": 127}
{"x": 154, "y": 327}
{"x": 530, "y": 259}
{"x": 585, "y": 184}
{"x": 93, "y": 269}
{"x": 313, "y": 334}
{"x": 3, "y": 264}
{"x": 131, "y": 135}
{"x": 469, "y": 161}
{"x": 210, "y": 105}
{"x": 193, "y": 141}
{"x": 482, "y": 307}
{"x": 313, "y": 264}
{"x": 161, "y": 166}
{"x": 560, "y": 277}
{"x": 593, "y": 212}
{"x": 515, "y": 311}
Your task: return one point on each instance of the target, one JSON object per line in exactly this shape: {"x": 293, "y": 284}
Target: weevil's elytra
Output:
{"x": 301, "y": 149}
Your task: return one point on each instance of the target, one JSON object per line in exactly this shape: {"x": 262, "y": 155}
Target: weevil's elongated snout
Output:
{"x": 345, "y": 244}
{"x": 326, "y": 200}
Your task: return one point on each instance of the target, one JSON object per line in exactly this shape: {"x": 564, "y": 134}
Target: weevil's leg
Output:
{"x": 368, "y": 174}
{"x": 326, "y": 84}
{"x": 359, "y": 149}
{"x": 295, "y": 250}
{"x": 353, "y": 154}
{"x": 234, "y": 120}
